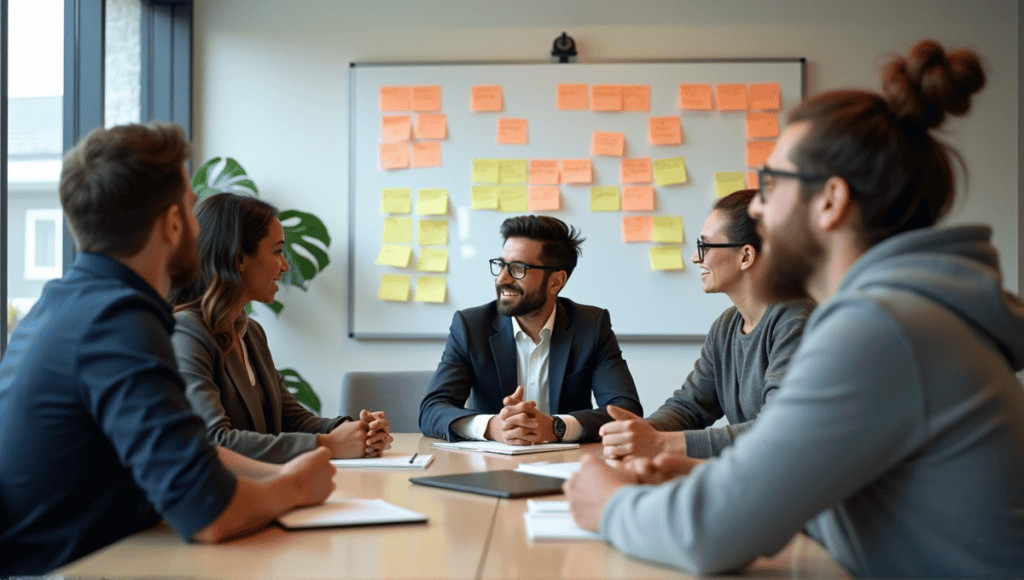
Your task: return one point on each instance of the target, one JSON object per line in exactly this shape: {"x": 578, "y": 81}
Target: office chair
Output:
{"x": 397, "y": 393}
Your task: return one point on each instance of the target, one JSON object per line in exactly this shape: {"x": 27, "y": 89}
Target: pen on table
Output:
{"x": 413, "y": 458}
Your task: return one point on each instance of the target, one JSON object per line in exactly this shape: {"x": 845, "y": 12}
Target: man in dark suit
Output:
{"x": 529, "y": 361}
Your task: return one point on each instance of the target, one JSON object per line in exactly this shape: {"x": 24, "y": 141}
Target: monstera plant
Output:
{"x": 305, "y": 246}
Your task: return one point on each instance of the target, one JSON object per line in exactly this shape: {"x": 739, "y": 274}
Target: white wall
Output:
{"x": 271, "y": 89}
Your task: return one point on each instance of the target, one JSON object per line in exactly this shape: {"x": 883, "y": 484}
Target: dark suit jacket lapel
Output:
{"x": 240, "y": 382}
{"x": 503, "y": 348}
{"x": 561, "y": 343}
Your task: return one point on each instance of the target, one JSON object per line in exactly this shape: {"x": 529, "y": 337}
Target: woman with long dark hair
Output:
{"x": 230, "y": 377}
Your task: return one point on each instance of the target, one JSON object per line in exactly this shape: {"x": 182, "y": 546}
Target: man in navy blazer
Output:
{"x": 522, "y": 369}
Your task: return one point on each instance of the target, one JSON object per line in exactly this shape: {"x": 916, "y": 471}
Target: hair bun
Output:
{"x": 929, "y": 83}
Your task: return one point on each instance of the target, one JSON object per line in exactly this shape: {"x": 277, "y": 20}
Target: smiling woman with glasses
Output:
{"x": 743, "y": 358}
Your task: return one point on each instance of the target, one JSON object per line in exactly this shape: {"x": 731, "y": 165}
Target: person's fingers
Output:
{"x": 620, "y": 414}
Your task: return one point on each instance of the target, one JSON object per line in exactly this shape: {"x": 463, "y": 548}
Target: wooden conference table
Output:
{"x": 467, "y": 536}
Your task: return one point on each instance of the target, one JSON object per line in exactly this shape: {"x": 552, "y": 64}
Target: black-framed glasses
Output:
{"x": 515, "y": 269}
{"x": 702, "y": 246}
{"x": 764, "y": 185}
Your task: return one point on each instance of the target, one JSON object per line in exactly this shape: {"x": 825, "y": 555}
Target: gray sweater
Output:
{"x": 735, "y": 376}
{"x": 896, "y": 439}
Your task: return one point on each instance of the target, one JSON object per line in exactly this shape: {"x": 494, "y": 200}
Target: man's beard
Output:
{"x": 184, "y": 264}
{"x": 791, "y": 252}
{"x": 528, "y": 302}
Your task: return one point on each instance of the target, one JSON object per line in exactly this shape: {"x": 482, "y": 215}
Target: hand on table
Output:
{"x": 520, "y": 423}
{"x": 310, "y": 477}
{"x": 346, "y": 441}
{"x": 378, "y": 435}
{"x": 590, "y": 488}
{"x": 628, "y": 436}
{"x": 662, "y": 467}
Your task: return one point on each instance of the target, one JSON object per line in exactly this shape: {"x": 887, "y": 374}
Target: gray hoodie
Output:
{"x": 896, "y": 439}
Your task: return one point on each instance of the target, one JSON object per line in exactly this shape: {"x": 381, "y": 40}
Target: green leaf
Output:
{"x": 211, "y": 179}
{"x": 276, "y": 306}
{"x": 302, "y": 234}
{"x": 301, "y": 389}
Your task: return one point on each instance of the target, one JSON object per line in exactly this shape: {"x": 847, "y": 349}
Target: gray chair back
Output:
{"x": 397, "y": 393}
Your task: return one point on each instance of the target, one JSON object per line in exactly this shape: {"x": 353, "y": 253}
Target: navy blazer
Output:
{"x": 479, "y": 361}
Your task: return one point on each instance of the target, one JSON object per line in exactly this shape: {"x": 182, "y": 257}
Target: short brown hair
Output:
{"x": 117, "y": 181}
{"x": 900, "y": 177}
{"x": 561, "y": 242}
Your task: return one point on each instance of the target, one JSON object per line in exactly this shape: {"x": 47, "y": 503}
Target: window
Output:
{"x": 44, "y": 241}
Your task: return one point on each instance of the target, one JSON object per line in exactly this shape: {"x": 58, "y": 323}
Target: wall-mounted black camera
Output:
{"x": 564, "y": 47}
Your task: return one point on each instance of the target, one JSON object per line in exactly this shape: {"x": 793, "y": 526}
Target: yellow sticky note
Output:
{"x": 484, "y": 197}
{"x": 397, "y": 230}
{"x": 395, "y": 200}
{"x": 669, "y": 171}
{"x": 636, "y": 228}
{"x": 433, "y": 260}
{"x": 727, "y": 182}
{"x": 485, "y": 171}
{"x": 605, "y": 198}
{"x": 430, "y": 289}
{"x": 433, "y": 233}
{"x": 668, "y": 229}
{"x": 666, "y": 258}
{"x": 513, "y": 198}
{"x": 512, "y": 171}
{"x": 397, "y": 256}
{"x": 394, "y": 287}
{"x": 432, "y": 201}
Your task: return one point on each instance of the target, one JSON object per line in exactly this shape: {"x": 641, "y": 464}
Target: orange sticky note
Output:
{"x": 544, "y": 198}
{"x": 395, "y": 128}
{"x": 664, "y": 131}
{"x": 764, "y": 124}
{"x": 608, "y": 144}
{"x": 513, "y": 131}
{"x": 394, "y": 155}
{"x": 752, "y": 181}
{"x": 577, "y": 171}
{"x": 426, "y": 154}
{"x": 638, "y": 198}
{"x": 637, "y": 228}
{"x": 485, "y": 98}
{"x": 695, "y": 97}
{"x": 606, "y": 98}
{"x": 636, "y": 98}
{"x": 731, "y": 97}
{"x": 573, "y": 97}
{"x": 636, "y": 170}
{"x": 431, "y": 126}
{"x": 394, "y": 98}
{"x": 543, "y": 171}
{"x": 765, "y": 96}
{"x": 758, "y": 152}
{"x": 426, "y": 98}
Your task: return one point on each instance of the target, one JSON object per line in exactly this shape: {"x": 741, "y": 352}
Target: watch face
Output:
{"x": 558, "y": 426}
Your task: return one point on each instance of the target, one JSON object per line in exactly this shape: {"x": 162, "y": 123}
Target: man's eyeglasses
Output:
{"x": 515, "y": 269}
{"x": 702, "y": 246}
{"x": 765, "y": 183}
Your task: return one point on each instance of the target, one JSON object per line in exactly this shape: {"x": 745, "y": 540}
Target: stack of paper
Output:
{"x": 559, "y": 470}
{"x": 349, "y": 512}
{"x": 550, "y": 520}
{"x": 496, "y": 447}
{"x": 416, "y": 461}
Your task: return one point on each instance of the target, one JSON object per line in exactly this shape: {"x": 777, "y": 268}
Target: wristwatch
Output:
{"x": 558, "y": 426}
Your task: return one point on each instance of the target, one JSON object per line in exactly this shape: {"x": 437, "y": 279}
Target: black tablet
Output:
{"x": 504, "y": 483}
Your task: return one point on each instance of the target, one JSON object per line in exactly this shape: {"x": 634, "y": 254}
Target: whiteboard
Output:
{"x": 612, "y": 274}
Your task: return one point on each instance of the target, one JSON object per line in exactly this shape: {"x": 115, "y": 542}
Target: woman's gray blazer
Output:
{"x": 217, "y": 386}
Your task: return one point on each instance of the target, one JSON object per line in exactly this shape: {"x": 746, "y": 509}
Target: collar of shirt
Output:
{"x": 545, "y": 331}
{"x": 105, "y": 266}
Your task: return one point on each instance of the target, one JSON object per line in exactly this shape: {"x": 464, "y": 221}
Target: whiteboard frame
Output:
{"x": 353, "y": 144}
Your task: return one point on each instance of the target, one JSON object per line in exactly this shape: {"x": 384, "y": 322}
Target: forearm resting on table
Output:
{"x": 243, "y": 466}
{"x": 254, "y": 504}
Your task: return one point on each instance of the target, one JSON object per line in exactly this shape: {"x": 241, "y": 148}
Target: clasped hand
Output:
{"x": 519, "y": 422}
{"x": 368, "y": 436}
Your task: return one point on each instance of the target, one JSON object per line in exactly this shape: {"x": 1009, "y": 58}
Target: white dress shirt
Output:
{"x": 532, "y": 363}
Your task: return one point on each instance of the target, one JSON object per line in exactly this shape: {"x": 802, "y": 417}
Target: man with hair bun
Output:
{"x": 897, "y": 436}
{"x": 522, "y": 369}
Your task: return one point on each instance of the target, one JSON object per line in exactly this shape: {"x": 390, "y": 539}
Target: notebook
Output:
{"x": 504, "y": 483}
{"x": 559, "y": 470}
{"x": 349, "y": 512}
{"x": 389, "y": 461}
{"x": 551, "y": 520}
